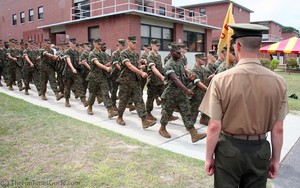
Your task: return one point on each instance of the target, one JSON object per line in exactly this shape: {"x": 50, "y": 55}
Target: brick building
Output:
{"x": 107, "y": 19}
{"x": 216, "y": 12}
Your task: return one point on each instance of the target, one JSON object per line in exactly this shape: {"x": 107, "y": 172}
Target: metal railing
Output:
{"x": 271, "y": 38}
{"x": 106, "y": 7}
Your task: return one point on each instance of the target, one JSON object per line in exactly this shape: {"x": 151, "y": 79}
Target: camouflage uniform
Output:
{"x": 175, "y": 97}
{"x": 15, "y": 67}
{"x": 36, "y": 71}
{"x": 217, "y": 64}
{"x": 72, "y": 80}
{"x": 59, "y": 68}
{"x": 47, "y": 71}
{"x": 210, "y": 67}
{"x": 84, "y": 71}
{"x": 223, "y": 67}
{"x": 167, "y": 58}
{"x": 114, "y": 76}
{"x": 130, "y": 84}
{"x": 144, "y": 80}
{"x": 2, "y": 59}
{"x": 27, "y": 69}
{"x": 201, "y": 75}
{"x": 155, "y": 85}
{"x": 97, "y": 80}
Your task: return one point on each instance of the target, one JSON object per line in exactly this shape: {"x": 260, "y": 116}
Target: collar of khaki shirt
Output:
{"x": 249, "y": 60}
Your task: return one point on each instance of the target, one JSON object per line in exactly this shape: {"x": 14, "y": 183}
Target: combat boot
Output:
{"x": 26, "y": 92}
{"x": 84, "y": 102}
{"x": 163, "y": 132}
{"x": 59, "y": 96}
{"x": 131, "y": 107}
{"x": 10, "y": 88}
{"x": 43, "y": 97}
{"x": 147, "y": 122}
{"x": 173, "y": 118}
{"x": 196, "y": 136}
{"x": 150, "y": 116}
{"x": 203, "y": 121}
{"x": 99, "y": 99}
{"x": 67, "y": 103}
{"x": 39, "y": 92}
{"x": 90, "y": 110}
{"x": 21, "y": 88}
{"x": 111, "y": 112}
{"x": 114, "y": 107}
{"x": 120, "y": 121}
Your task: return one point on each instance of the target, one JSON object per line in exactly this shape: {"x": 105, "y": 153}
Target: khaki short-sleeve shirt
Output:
{"x": 248, "y": 99}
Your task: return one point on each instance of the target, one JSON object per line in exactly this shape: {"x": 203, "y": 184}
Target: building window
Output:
{"x": 162, "y": 34}
{"x": 82, "y": 9}
{"x": 22, "y": 17}
{"x": 41, "y": 13}
{"x": 162, "y": 11}
{"x": 30, "y": 15}
{"x": 14, "y": 19}
{"x": 202, "y": 11}
{"x": 192, "y": 13}
{"x": 194, "y": 41}
{"x": 181, "y": 14}
{"x": 93, "y": 33}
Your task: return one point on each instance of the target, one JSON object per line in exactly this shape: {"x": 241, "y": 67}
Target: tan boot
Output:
{"x": 196, "y": 136}
{"x": 114, "y": 107}
{"x": 147, "y": 123}
{"x": 26, "y": 92}
{"x": 21, "y": 88}
{"x": 43, "y": 97}
{"x": 90, "y": 110}
{"x": 10, "y": 88}
{"x": 99, "y": 99}
{"x": 84, "y": 102}
{"x": 67, "y": 103}
{"x": 163, "y": 132}
{"x": 131, "y": 107}
{"x": 173, "y": 118}
{"x": 111, "y": 112}
{"x": 150, "y": 116}
{"x": 59, "y": 96}
{"x": 120, "y": 121}
{"x": 203, "y": 121}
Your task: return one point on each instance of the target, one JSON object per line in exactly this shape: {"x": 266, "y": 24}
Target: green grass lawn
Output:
{"x": 293, "y": 83}
{"x": 53, "y": 150}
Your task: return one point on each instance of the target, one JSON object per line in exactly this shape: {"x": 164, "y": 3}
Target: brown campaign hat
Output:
{"x": 247, "y": 30}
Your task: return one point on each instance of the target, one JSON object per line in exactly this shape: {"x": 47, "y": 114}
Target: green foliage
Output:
{"x": 291, "y": 62}
{"x": 289, "y": 29}
{"x": 265, "y": 62}
{"x": 273, "y": 64}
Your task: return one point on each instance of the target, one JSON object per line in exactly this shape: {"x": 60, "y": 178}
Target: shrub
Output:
{"x": 273, "y": 64}
{"x": 291, "y": 62}
{"x": 265, "y": 62}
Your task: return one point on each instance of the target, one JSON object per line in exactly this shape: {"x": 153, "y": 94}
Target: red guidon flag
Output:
{"x": 226, "y": 31}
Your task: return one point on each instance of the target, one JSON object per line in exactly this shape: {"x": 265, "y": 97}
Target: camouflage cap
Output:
{"x": 201, "y": 56}
{"x": 122, "y": 42}
{"x": 6, "y": 43}
{"x": 12, "y": 40}
{"x": 72, "y": 40}
{"x": 212, "y": 52}
{"x": 175, "y": 47}
{"x": 155, "y": 41}
{"x": 247, "y": 30}
{"x": 47, "y": 41}
{"x": 104, "y": 45}
{"x": 184, "y": 46}
{"x": 132, "y": 39}
{"x": 146, "y": 46}
{"x": 98, "y": 41}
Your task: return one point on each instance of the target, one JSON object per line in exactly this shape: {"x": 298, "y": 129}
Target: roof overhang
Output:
{"x": 134, "y": 12}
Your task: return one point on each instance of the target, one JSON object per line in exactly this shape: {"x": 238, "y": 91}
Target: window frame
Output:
{"x": 162, "y": 11}
{"x": 22, "y": 17}
{"x": 201, "y": 11}
{"x": 41, "y": 14}
{"x": 14, "y": 19}
{"x": 30, "y": 17}
{"x": 200, "y": 46}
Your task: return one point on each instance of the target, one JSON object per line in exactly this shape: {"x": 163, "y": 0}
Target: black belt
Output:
{"x": 247, "y": 137}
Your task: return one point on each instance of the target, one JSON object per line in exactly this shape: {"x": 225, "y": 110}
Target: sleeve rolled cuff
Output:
{"x": 169, "y": 72}
{"x": 93, "y": 59}
{"x": 196, "y": 81}
{"x": 125, "y": 60}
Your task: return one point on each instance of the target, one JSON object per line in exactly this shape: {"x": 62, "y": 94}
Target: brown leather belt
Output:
{"x": 247, "y": 137}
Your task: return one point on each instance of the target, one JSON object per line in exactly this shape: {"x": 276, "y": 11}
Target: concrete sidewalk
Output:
{"x": 180, "y": 141}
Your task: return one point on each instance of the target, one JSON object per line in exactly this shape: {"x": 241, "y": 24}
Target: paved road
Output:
{"x": 180, "y": 141}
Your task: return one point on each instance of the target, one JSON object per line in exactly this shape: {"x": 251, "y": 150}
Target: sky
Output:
{"x": 286, "y": 13}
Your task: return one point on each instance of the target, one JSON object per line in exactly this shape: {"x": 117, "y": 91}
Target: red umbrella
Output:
{"x": 291, "y": 45}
